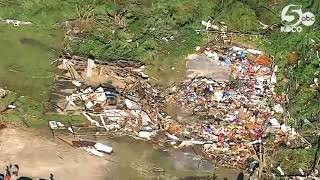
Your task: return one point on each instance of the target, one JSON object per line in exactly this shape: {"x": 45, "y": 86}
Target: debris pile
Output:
{"x": 113, "y": 96}
{"x": 236, "y": 114}
{"x": 94, "y": 148}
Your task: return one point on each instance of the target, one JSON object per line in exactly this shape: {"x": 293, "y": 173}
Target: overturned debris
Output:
{"x": 94, "y": 148}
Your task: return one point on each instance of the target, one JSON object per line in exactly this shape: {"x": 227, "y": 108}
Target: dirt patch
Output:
{"x": 38, "y": 156}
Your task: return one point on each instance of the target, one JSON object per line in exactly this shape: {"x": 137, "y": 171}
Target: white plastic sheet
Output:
{"x": 94, "y": 151}
{"x": 103, "y": 148}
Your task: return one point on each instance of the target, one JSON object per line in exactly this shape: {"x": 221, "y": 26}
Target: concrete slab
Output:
{"x": 202, "y": 66}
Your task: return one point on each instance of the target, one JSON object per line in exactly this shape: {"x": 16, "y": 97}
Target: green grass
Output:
{"x": 304, "y": 103}
{"x": 42, "y": 13}
{"x": 26, "y": 69}
{"x": 290, "y": 160}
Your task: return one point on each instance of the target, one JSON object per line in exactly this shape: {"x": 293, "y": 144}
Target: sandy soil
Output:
{"x": 38, "y": 156}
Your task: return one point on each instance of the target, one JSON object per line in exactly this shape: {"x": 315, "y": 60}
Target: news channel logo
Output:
{"x": 294, "y": 18}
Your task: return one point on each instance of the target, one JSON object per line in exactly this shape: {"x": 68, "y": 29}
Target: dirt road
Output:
{"x": 38, "y": 156}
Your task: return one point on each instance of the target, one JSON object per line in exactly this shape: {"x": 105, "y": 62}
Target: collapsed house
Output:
{"x": 111, "y": 95}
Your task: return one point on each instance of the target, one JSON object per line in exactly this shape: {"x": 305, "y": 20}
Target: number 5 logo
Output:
{"x": 290, "y": 16}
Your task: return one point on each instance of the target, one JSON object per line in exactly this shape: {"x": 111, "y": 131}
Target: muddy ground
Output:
{"x": 38, "y": 156}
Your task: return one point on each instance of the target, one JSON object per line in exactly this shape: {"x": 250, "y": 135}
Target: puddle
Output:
{"x": 188, "y": 160}
{"x": 137, "y": 159}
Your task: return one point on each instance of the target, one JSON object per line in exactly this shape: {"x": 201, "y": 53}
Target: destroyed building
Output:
{"x": 230, "y": 100}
